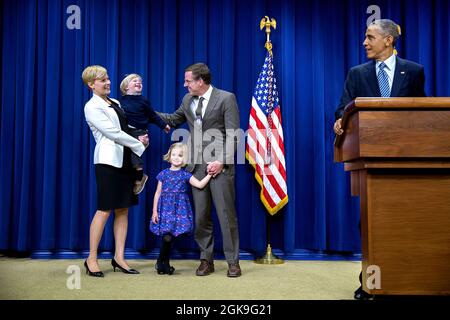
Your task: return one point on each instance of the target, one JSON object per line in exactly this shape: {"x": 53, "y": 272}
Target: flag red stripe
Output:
{"x": 280, "y": 166}
{"x": 268, "y": 198}
{"x": 259, "y": 149}
{"x": 274, "y": 183}
{"x": 280, "y": 140}
{"x": 259, "y": 124}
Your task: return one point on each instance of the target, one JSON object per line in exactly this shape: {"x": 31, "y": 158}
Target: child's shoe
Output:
{"x": 139, "y": 185}
{"x": 170, "y": 270}
{"x": 163, "y": 267}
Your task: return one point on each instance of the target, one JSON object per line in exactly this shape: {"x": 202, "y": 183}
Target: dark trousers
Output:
{"x": 137, "y": 161}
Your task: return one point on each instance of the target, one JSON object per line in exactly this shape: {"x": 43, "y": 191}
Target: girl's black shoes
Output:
{"x": 116, "y": 265}
{"x": 98, "y": 274}
{"x": 163, "y": 267}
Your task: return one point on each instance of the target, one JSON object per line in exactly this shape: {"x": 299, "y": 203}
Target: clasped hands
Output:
{"x": 214, "y": 168}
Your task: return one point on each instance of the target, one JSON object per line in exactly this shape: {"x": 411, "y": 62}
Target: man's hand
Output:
{"x": 214, "y": 168}
{"x": 167, "y": 129}
{"x": 338, "y": 127}
{"x": 144, "y": 139}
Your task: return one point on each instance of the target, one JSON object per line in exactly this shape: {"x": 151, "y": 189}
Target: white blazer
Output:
{"x": 109, "y": 137}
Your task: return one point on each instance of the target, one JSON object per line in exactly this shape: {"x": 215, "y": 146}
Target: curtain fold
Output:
{"x": 47, "y": 180}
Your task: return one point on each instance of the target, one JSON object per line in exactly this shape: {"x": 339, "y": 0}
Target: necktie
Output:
{"x": 383, "y": 81}
{"x": 198, "y": 111}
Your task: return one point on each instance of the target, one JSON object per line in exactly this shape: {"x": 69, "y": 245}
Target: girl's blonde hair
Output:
{"x": 93, "y": 72}
{"x": 177, "y": 145}
{"x": 126, "y": 81}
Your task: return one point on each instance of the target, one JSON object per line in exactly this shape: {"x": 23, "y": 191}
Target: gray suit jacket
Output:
{"x": 214, "y": 138}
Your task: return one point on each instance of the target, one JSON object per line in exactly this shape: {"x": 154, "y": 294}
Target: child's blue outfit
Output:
{"x": 174, "y": 208}
{"x": 139, "y": 114}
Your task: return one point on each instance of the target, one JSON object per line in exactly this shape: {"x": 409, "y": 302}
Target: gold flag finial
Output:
{"x": 267, "y": 22}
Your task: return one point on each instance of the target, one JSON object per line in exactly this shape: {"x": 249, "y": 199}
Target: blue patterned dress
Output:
{"x": 174, "y": 208}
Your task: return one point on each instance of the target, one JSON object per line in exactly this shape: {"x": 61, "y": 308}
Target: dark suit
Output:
{"x": 409, "y": 81}
{"x": 221, "y": 119}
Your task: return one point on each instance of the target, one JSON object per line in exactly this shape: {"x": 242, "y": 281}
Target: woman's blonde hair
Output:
{"x": 177, "y": 145}
{"x": 126, "y": 81}
{"x": 93, "y": 72}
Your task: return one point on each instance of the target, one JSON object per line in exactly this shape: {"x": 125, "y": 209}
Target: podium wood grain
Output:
{"x": 398, "y": 153}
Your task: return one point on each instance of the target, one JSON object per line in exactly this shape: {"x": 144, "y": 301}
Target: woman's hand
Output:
{"x": 144, "y": 139}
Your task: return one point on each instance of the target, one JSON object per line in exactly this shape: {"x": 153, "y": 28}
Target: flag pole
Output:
{"x": 269, "y": 257}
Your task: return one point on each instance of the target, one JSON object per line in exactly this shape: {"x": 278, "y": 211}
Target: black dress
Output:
{"x": 115, "y": 185}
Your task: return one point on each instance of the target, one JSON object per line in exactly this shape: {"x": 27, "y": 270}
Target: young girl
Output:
{"x": 172, "y": 212}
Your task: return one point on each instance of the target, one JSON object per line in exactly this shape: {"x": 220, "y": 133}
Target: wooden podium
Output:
{"x": 398, "y": 153}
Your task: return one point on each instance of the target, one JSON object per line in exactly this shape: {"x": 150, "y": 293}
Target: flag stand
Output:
{"x": 269, "y": 257}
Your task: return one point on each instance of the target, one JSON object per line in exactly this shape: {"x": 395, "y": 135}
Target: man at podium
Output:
{"x": 386, "y": 75}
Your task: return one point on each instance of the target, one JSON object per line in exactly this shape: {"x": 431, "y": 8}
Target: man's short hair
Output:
{"x": 200, "y": 71}
{"x": 388, "y": 28}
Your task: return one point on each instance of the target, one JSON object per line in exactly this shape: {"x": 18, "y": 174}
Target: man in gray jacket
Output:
{"x": 212, "y": 115}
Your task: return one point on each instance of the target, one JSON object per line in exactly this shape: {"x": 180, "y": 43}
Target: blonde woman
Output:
{"x": 113, "y": 171}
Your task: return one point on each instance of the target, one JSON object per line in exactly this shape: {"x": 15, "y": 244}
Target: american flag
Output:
{"x": 265, "y": 142}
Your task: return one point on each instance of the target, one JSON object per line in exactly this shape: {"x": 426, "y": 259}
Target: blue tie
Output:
{"x": 383, "y": 81}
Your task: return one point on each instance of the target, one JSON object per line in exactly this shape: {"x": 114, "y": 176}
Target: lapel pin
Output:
{"x": 402, "y": 72}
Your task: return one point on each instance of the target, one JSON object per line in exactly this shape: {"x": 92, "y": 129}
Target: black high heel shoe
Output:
{"x": 97, "y": 274}
{"x": 116, "y": 265}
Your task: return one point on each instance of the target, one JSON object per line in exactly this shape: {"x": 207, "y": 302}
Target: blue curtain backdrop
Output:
{"x": 47, "y": 182}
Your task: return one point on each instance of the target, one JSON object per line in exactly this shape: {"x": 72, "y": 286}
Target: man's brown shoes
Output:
{"x": 234, "y": 270}
{"x": 205, "y": 268}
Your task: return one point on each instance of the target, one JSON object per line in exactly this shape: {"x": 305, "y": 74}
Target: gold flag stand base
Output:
{"x": 269, "y": 258}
